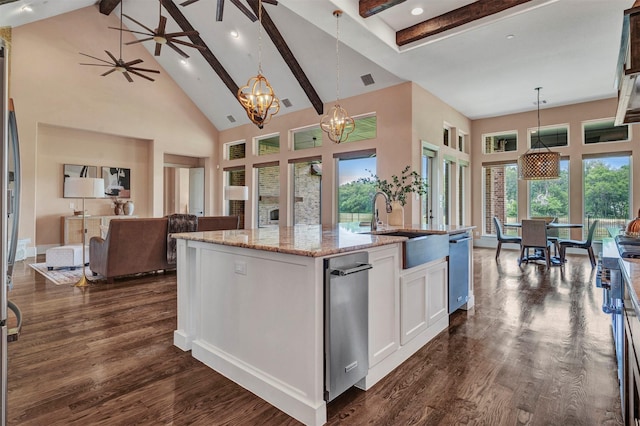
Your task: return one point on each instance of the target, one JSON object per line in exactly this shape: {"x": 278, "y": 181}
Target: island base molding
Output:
{"x": 261, "y": 384}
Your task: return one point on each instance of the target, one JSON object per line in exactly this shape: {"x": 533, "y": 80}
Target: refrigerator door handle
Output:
{"x": 14, "y": 333}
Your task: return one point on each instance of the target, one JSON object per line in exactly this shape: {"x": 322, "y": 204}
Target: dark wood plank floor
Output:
{"x": 537, "y": 350}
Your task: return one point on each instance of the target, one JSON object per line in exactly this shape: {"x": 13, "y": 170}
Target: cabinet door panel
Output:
{"x": 437, "y": 300}
{"x": 384, "y": 304}
{"x": 413, "y": 289}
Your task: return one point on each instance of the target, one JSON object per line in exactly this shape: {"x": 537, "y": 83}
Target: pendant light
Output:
{"x": 337, "y": 123}
{"x": 539, "y": 162}
{"x": 257, "y": 97}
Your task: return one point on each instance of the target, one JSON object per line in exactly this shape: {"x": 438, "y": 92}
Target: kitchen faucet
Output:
{"x": 374, "y": 220}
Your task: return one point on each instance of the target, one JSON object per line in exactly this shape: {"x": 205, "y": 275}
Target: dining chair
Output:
{"x": 553, "y": 235}
{"x": 586, "y": 244}
{"x": 534, "y": 235}
{"x": 502, "y": 238}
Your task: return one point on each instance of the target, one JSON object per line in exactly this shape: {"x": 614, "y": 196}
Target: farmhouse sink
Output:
{"x": 421, "y": 248}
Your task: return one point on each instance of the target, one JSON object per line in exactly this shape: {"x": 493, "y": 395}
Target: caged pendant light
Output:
{"x": 337, "y": 123}
{"x": 257, "y": 97}
{"x": 539, "y": 162}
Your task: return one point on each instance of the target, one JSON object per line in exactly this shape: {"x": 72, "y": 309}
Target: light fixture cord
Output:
{"x": 538, "y": 140}
{"x": 260, "y": 37}
{"x": 337, "y": 56}
{"x": 121, "y": 12}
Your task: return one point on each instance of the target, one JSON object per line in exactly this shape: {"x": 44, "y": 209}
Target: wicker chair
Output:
{"x": 501, "y": 237}
{"x": 586, "y": 244}
{"x": 534, "y": 235}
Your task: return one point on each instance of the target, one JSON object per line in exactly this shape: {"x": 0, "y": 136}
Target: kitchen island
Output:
{"x": 251, "y": 306}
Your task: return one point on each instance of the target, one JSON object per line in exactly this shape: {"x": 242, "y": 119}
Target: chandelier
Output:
{"x": 257, "y": 97}
{"x": 337, "y": 123}
{"x": 539, "y": 162}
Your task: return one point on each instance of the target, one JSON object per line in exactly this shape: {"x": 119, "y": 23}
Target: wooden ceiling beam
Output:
{"x": 288, "y": 57}
{"x": 107, "y": 6}
{"x": 208, "y": 55}
{"x": 455, "y": 18}
{"x": 369, "y": 8}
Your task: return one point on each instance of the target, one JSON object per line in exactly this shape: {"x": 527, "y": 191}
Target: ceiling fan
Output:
{"x": 237, "y": 3}
{"x": 119, "y": 64}
{"x": 161, "y": 37}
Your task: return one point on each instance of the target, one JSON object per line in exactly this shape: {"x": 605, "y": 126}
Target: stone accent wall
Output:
{"x": 495, "y": 193}
{"x": 307, "y": 195}
{"x": 236, "y": 207}
{"x": 268, "y": 194}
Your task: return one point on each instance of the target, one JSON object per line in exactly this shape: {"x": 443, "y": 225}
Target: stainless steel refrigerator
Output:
{"x": 9, "y": 212}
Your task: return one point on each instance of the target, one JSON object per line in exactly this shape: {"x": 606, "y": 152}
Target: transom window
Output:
{"x": 235, "y": 150}
{"x": 500, "y": 142}
{"x": 550, "y": 135}
{"x": 268, "y": 145}
{"x": 604, "y": 131}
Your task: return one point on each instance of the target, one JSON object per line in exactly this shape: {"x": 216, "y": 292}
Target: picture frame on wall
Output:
{"x": 117, "y": 182}
{"x": 76, "y": 170}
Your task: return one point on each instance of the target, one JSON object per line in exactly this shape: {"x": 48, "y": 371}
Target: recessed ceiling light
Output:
{"x": 417, "y": 11}
{"x": 510, "y": 36}
{"x": 234, "y": 34}
{"x": 26, "y": 8}
{"x": 183, "y": 61}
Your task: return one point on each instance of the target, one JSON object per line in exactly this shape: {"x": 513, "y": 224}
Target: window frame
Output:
{"x": 603, "y": 120}
{"x": 566, "y": 126}
{"x": 494, "y": 134}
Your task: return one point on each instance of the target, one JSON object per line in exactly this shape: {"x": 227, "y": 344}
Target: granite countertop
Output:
{"x": 421, "y": 229}
{"x": 301, "y": 240}
{"x": 630, "y": 269}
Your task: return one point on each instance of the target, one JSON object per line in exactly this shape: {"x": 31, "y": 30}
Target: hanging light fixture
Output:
{"x": 539, "y": 162}
{"x": 337, "y": 123}
{"x": 257, "y": 97}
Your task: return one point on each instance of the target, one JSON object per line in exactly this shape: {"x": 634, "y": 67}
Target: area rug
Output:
{"x": 63, "y": 275}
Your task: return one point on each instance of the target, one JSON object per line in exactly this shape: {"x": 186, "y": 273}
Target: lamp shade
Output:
{"x": 236, "y": 192}
{"x": 81, "y": 187}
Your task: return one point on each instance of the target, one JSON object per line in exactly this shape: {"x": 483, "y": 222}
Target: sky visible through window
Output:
{"x": 354, "y": 169}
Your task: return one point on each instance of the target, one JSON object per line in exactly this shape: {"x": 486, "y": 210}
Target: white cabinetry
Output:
{"x": 384, "y": 303}
{"x": 423, "y": 294}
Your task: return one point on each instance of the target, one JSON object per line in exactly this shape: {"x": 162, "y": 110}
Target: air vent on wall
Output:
{"x": 286, "y": 102}
{"x": 367, "y": 79}
{"x": 231, "y": 119}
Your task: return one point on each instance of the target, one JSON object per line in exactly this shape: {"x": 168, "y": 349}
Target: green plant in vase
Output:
{"x": 397, "y": 189}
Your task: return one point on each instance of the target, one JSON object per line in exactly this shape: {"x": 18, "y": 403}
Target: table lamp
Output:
{"x": 81, "y": 187}
{"x": 237, "y": 193}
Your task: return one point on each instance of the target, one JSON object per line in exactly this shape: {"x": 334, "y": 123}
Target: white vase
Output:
{"x": 128, "y": 208}
{"x": 396, "y": 217}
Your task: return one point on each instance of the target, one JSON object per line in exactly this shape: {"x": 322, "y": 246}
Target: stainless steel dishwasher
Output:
{"x": 458, "y": 270}
{"x": 346, "y": 311}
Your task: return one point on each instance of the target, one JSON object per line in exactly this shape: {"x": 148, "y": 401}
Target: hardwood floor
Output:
{"x": 536, "y": 350}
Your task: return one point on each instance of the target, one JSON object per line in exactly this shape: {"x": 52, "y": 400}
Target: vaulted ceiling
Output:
{"x": 482, "y": 57}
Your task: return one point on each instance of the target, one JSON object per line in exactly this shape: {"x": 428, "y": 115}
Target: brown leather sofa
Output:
{"x": 135, "y": 246}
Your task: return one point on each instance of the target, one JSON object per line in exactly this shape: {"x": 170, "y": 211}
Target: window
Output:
{"x": 354, "y": 198}
{"x": 446, "y": 135}
{"x": 446, "y": 192}
{"x": 309, "y": 137}
{"x": 462, "y": 139}
{"x": 366, "y": 128}
{"x": 500, "y": 142}
{"x": 607, "y": 192}
{"x": 428, "y": 172}
{"x": 604, "y": 131}
{"x": 235, "y": 150}
{"x": 268, "y": 194}
{"x": 500, "y": 196}
{"x": 462, "y": 175}
{"x": 268, "y": 145}
{"x": 307, "y": 184}
{"x": 235, "y": 177}
{"x": 550, "y": 136}
{"x": 550, "y": 198}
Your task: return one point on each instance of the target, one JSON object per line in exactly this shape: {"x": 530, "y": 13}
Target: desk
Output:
{"x": 555, "y": 260}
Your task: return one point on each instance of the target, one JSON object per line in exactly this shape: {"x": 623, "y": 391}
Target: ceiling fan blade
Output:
{"x": 128, "y": 77}
{"x": 97, "y": 59}
{"x": 188, "y": 2}
{"x": 98, "y": 65}
{"x": 140, "y": 75}
{"x": 219, "y": 10}
{"x": 158, "y": 47}
{"x": 139, "y": 23}
{"x": 132, "y": 31}
{"x": 186, "y": 43}
{"x": 182, "y": 34}
{"x": 162, "y": 25}
{"x": 180, "y": 52}
{"x": 142, "y": 69}
{"x": 139, "y": 41}
{"x": 108, "y": 72}
{"x": 134, "y": 62}
{"x": 273, "y": 2}
{"x": 115, "y": 61}
{"x": 244, "y": 10}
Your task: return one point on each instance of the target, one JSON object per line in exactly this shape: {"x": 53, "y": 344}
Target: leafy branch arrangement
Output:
{"x": 398, "y": 188}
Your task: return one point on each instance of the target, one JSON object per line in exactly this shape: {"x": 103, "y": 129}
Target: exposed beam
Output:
{"x": 455, "y": 18}
{"x": 107, "y": 6}
{"x": 208, "y": 55}
{"x": 371, "y": 7}
{"x": 288, "y": 57}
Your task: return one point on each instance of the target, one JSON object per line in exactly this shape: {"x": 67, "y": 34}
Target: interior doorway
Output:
{"x": 184, "y": 185}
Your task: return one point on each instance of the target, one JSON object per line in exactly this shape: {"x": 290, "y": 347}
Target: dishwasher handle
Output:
{"x": 348, "y": 271}
{"x": 459, "y": 240}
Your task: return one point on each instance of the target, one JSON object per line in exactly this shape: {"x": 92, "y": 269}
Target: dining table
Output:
{"x": 539, "y": 255}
